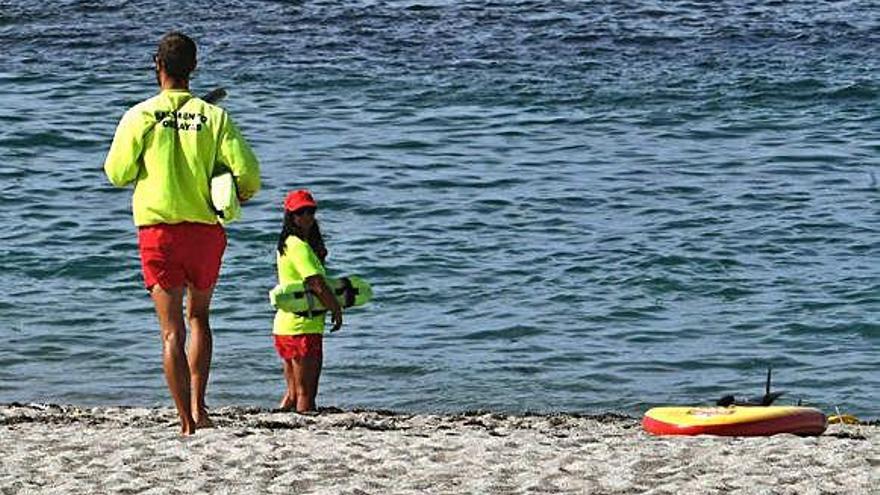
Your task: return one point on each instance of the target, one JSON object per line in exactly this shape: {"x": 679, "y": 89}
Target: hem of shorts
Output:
{"x": 184, "y": 285}
{"x": 177, "y": 222}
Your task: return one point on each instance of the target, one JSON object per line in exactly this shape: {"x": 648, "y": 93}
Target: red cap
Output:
{"x": 300, "y": 198}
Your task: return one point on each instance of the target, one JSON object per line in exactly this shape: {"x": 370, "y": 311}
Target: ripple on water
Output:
{"x": 576, "y": 206}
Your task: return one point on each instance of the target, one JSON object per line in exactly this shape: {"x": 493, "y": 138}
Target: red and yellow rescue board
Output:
{"x": 734, "y": 420}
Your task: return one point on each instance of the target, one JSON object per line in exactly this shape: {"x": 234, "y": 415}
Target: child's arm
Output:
{"x": 318, "y": 286}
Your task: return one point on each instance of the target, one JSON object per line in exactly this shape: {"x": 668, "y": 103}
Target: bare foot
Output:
{"x": 287, "y": 403}
{"x": 202, "y": 420}
{"x": 187, "y": 429}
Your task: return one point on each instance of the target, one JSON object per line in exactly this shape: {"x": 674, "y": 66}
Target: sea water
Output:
{"x": 561, "y": 205}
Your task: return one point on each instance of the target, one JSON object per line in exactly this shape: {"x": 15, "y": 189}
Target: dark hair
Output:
{"x": 313, "y": 237}
{"x": 177, "y": 54}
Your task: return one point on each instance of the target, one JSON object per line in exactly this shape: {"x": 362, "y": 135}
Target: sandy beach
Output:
{"x": 67, "y": 449}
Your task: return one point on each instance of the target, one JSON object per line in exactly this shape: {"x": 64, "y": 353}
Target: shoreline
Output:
{"x": 50, "y": 448}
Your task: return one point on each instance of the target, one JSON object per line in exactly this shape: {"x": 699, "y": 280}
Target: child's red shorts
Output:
{"x": 180, "y": 254}
{"x": 300, "y": 346}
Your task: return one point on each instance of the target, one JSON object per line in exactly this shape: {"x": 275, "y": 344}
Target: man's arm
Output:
{"x": 123, "y": 160}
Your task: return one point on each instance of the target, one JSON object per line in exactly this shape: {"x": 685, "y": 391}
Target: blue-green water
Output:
{"x": 563, "y": 206}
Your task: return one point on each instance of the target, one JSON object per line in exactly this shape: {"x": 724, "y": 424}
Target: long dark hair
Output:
{"x": 313, "y": 237}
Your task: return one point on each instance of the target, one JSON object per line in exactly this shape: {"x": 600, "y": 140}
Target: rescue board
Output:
{"x": 735, "y": 420}
{"x": 295, "y": 298}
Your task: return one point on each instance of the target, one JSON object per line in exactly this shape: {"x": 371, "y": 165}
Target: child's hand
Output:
{"x": 337, "y": 321}
{"x": 318, "y": 286}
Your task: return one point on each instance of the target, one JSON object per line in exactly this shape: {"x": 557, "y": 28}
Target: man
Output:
{"x": 169, "y": 146}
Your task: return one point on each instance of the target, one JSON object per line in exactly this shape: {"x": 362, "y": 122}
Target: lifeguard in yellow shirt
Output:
{"x": 169, "y": 147}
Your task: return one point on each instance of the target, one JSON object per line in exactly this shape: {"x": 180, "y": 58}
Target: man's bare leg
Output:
{"x": 169, "y": 310}
{"x": 201, "y": 347}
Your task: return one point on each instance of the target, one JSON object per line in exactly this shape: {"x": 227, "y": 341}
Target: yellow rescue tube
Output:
{"x": 295, "y": 298}
{"x": 734, "y": 420}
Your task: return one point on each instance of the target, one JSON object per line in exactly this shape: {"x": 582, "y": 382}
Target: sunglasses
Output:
{"x": 308, "y": 210}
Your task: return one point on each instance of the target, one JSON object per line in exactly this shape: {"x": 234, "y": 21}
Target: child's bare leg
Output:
{"x": 307, "y": 372}
{"x": 289, "y": 400}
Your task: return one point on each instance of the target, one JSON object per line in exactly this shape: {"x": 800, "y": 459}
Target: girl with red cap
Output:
{"x": 299, "y": 338}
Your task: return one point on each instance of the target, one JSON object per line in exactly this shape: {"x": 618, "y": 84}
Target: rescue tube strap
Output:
{"x": 310, "y": 300}
{"x": 311, "y": 314}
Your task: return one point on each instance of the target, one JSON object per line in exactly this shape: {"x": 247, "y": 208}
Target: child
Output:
{"x": 298, "y": 339}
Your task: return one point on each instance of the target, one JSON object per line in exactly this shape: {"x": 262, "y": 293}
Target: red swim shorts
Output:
{"x": 180, "y": 254}
{"x": 300, "y": 346}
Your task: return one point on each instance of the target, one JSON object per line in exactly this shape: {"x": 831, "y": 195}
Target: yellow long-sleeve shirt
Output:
{"x": 171, "y": 156}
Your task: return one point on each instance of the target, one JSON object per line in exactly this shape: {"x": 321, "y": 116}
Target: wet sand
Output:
{"x": 68, "y": 449}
